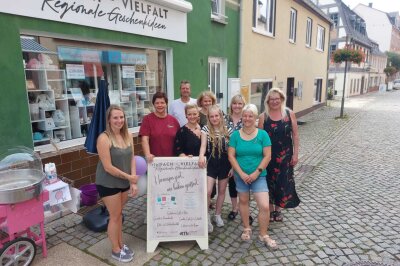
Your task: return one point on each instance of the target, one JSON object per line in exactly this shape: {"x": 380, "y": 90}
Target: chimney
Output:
{"x": 370, "y": 5}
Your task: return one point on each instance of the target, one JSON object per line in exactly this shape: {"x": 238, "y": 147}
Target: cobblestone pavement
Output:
{"x": 348, "y": 181}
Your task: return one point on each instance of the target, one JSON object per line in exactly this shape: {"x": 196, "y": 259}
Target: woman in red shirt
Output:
{"x": 158, "y": 130}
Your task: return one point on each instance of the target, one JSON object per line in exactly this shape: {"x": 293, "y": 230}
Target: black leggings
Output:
{"x": 232, "y": 188}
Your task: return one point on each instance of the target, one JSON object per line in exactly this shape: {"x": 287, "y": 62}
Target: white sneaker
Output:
{"x": 218, "y": 220}
{"x": 210, "y": 226}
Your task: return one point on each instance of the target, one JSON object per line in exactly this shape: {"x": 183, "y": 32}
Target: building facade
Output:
{"x": 55, "y": 56}
{"x": 382, "y": 27}
{"x": 349, "y": 31}
{"x": 284, "y": 44}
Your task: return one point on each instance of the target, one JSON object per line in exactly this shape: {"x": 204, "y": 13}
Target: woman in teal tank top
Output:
{"x": 115, "y": 176}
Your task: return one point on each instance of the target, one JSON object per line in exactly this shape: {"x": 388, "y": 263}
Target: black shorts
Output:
{"x": 218, "y": 168}
{"x": 106, "y": 191}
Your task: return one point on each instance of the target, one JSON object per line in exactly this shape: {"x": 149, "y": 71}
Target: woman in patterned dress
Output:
{"x": 281, "y": 126}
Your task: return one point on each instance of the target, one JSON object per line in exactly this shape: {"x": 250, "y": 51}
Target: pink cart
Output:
{"x": 21, "y": 207}
{"x": 18, "y": 242}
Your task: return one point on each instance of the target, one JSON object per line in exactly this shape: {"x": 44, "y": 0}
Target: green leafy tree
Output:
{"x": 393, "y": 60}
{"x": 390, "y": 70}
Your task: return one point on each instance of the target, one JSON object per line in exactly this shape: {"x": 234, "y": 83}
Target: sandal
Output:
{"x": 272, "y": 216}
{"x": 269, "y": 242}
{"x": 246, "y": 235}
{"x": 278, "y": 216}
{"x": 232, "y": 215}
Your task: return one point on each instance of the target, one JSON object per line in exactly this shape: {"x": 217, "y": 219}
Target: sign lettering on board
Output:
{"x": 176, "y": 201}
{"x": 131, "y": 16}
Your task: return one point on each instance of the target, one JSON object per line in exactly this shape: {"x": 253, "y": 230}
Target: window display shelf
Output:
{"x": 42, "y": 140}
{"x": 48, "y": 105}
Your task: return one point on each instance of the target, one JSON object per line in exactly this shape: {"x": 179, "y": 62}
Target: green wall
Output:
{"x": 190, "y": 60}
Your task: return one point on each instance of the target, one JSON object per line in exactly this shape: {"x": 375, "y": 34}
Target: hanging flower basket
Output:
{"x": 350, "y": 55}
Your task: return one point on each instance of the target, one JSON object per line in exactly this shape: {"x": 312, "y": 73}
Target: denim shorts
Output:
{"x": 260, "y": 185}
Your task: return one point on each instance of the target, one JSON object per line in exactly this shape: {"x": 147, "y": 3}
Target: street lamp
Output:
{"x": 344, "y": 88}
{"x": 344, "y": 81}
{"x": 347, "y": 55}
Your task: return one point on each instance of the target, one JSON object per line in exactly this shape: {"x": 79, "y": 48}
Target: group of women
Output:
{"x": 235, "y": 149}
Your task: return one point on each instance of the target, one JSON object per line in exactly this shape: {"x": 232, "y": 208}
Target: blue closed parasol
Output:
{"x": 98, "y": 122}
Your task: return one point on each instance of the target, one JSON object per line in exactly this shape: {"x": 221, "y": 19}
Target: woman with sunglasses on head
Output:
{"x": 281, "y": 125}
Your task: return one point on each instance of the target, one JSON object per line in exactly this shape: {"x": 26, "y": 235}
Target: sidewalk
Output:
{"x": 317, "y": 232}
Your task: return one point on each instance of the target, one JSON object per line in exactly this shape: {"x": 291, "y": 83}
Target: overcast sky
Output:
{"x": 383, "y": 5}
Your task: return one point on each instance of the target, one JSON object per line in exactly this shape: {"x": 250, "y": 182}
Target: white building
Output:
{"x": 382, "y": 27}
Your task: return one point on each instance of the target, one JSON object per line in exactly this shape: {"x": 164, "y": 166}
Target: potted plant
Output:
{"x": 347, "y": 55}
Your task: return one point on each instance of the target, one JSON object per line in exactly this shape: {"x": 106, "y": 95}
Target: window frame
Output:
{"x": 293, "y": 25}
{"x": 309, "y": 26}
{"x": 219, "y": 14}
{"x": 320, "y": 44}
{"x": 270, "y": 19}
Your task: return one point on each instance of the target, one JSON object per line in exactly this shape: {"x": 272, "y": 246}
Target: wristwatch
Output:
{"x": 260, "y": 170}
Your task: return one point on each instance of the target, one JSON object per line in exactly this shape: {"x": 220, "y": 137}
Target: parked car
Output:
{"x": 396, "y": 84}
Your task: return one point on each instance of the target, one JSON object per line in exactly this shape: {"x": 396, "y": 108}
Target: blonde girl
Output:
{"x": 115, "y": 176}
{"x": 214, "y": 147}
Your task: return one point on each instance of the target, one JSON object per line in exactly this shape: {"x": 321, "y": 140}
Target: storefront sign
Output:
{"x": 75, "y": 71}
{"x": 176, "y": 201}
{"x": 128, "y": 72}
{"x": 132, "y": 16}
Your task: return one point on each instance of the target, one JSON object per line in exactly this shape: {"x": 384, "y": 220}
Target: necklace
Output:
{"x": 249, "y": 134}
{"x": 193, "y": 129}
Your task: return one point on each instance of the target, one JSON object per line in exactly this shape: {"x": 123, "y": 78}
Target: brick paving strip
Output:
{"x": 315, "y": 233}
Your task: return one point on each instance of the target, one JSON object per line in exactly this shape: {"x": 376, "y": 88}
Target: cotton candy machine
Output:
{"x": 21, "y": 206}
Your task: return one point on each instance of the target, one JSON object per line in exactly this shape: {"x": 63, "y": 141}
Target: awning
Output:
{"x": 29, "y": 44}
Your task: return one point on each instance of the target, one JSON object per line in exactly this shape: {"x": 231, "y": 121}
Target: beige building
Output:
{"x": 284, "y": 44}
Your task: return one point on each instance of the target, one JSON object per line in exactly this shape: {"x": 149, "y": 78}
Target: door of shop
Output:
{"x": 290, "y": 92}
{"x": 217, "y": 80}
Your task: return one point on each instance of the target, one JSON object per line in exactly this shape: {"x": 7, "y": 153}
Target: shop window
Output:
{"x": 264, "y": 16}
{"x": 63, "y": 77}
{"x": 258, "y": 92}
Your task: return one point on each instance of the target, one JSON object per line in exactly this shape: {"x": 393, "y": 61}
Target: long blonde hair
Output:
{"x": 217, "y": 139}
{"x": 124, "y": 130}
{"x": 283, "y": 101}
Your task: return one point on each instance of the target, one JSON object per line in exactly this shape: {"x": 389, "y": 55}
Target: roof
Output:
{"x": 315, "y": 9}
{"x": 357, "y": 36}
